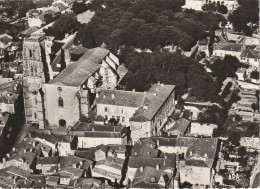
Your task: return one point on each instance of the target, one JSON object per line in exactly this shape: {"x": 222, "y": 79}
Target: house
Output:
{"x": 250, "y": 142}
{"x": 92, "y": 135}
{"x": 250, "y": 57}
{"x": 25, "y": 159}
{"x": 47, "y": 164}
{"x": 144, "y": 154}
{"x": 203, "y": 46}
{"x": 145, "y": 112}
{"x": 89, "y": 183}
{"x": 150, "y": 177}
{"x": 196, "y": 5}
{"x": 233, "y": 49}
{"x": 52, "y": 180}
{"x": 180, "y": 127}
{"x": 98, "y": 153}
{"x": 58, "y": 143}
{"x": 110, "y": 168}
{"x": 197, "y": 157}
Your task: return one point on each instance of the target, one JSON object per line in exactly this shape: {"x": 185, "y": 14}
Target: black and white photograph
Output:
{"x": 129, "y": 94}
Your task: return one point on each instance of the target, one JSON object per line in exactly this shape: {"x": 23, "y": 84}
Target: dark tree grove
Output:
{"x": 246, "y": 13}
{"x": 136, "y": 23}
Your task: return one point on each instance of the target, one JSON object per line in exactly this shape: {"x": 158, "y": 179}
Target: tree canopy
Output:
{"x": 215, "y": 7}
{"x": 225, "y": 68}
{"x": 170, "y": 68}
{"x": 66, "y": 23}
{"x": 25, "y": 8}
{"x": 78, "y": 7}
{"x": 136, "y": 23}
{"x": 247, "y": 12}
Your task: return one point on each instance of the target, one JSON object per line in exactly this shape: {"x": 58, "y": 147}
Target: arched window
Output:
{"x": 62, "y": 123}
{"x": 60, "y": 101}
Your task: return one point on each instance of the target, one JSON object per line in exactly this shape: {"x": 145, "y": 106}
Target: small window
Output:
{"x": 122, "y": 110}
{"x": 35, "y": 116}
{"x": 106, "y": 118}
{"x": 31, "y": 71}
{"x": 30, "y": 53}
{"x": 35, "y": 101}
{"x": 60, "y": 101}
{"x": 123, "y": 119}
{"x": 59, "y": 89}
{"x": 105, "y": 109}
{"x": 113, "y": 117}
{"x": 117, "y": 118}
{"x": 35, "y": 70}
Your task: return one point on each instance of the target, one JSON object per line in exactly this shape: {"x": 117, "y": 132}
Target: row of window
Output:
{"x": 107, "y": 110}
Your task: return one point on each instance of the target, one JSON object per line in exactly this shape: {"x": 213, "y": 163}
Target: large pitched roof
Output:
{"x": 155, "y": 98}
{"x": 231, "y": 47}
{"x": 120, "y": 98}
{"x": 77, "y": 73}
{"x": 249, "y": 53}
{"x": 180, "y": 125}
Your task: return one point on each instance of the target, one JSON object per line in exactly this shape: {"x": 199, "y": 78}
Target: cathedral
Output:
{"x": 61, "y": 93}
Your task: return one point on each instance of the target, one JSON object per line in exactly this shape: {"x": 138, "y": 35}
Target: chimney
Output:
{"x": 190, "y": 153}
{"x": 24, "y": 151}
{"x": 97, "y": 95}
{"x": 158, "y": 143}
{"x": 81, "y": 163}
{"x": 7, "y": 155}
{"x": 141, "y": 169}
{"x": 157, "y": 167}
{"x": 133, "y": 90}
{"x": 106, "y": 182}
{"x": 164, "y": 163}
{"x": 135, "y": 153}
{"x": 205, "y": 155}
{"x": 74, "y": 165}
{"x": 33, "y": 144}
{"x": 4, "y": 162}
{"x": 113, "y": 95}
{"x": 13, "y": 149}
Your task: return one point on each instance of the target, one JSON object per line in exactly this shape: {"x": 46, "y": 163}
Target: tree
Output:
{"x": 78, "y": 7}
{"x": 254, "y": 106}
{"x": 66, "y": 23}
{"x": 242, "y": 151}
{"x": 254, "y": 75}
{"x": 25, "y": 8}
{"x": 234, "y": 138}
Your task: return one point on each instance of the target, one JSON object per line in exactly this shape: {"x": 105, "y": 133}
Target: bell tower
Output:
{"x": 33, "y": 79}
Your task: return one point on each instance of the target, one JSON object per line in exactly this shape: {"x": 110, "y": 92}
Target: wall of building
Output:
{"x": 250, "y": 61}
{"x": 69, "y": 112}
{"x": 195, "y": 175}
{"x": 196, "y": 5}
{"x": 140, "y": 130}
{"x": 34, "y": 22}
{"x": 223, "y": 53}
{"x": 88, "y": 142}
{"x": 123, "y": 113}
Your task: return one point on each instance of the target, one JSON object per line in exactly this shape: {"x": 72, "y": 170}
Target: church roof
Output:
{"x": 77, "y": 73}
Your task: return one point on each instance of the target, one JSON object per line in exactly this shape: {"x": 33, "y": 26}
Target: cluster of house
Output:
{"x": 244, "y": 48}
{"x": 42, "y": 160}
{"x": 37, "y": 17}
{"x": 198, "y": 4}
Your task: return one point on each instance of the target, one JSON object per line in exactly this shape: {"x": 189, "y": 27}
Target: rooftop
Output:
{"x": 77, "y": 73}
